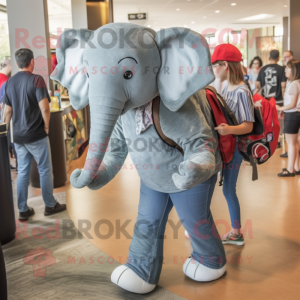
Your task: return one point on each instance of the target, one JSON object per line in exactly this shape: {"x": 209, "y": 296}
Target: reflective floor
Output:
{"x": 267, "y": 267}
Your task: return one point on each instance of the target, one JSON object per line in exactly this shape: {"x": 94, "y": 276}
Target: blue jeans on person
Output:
{"x": 40, "y": 150}
{"x": 193, "y": 208}
{"x": 231, "y": 173}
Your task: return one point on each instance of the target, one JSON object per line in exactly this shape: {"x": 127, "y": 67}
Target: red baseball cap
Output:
{"x": 226, "y": 52}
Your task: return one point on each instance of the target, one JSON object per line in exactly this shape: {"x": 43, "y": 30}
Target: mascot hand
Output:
{"x": 192, "y": 173}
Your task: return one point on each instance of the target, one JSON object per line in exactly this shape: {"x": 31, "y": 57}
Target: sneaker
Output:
{"x": 234, "y": 239}
{"x": 55, "y": 209}
{"x": 26, "y": 214}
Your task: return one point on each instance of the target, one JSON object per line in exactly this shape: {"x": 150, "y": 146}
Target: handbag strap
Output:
{"x": 156, "y": 123}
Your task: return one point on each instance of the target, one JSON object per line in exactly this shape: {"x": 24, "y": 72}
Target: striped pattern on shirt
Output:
{"x": 240, "y": 102}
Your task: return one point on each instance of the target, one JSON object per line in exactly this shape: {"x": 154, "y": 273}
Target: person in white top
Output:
{"x": 291, "y": 111}
{"x": 255, "y": 65}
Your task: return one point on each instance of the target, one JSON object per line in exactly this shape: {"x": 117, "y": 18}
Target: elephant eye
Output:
{"x": 128, "y": 75}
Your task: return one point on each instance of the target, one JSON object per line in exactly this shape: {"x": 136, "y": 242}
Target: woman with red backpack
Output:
{"x": 226, "y": 61}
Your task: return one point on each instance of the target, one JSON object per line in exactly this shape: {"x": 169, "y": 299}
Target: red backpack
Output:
{"x": 256, "y": 147}
{"x": 259, "y": 145}
{"x": 222, "y": 114}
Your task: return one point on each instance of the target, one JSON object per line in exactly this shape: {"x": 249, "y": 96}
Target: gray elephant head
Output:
{"x": 122, "y": 66}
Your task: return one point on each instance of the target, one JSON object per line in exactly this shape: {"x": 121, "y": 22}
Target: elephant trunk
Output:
{"x": 103, "y": 120}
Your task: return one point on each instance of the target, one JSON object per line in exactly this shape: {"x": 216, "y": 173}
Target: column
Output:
{"x": 285, "y": 38}
{"x": 79, "y": 14}
{"x": 29, "y": 28}
{"x": 294, "y": 25}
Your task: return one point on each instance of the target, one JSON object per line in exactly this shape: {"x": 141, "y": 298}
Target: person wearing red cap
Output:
{"x": 226, "y": 61}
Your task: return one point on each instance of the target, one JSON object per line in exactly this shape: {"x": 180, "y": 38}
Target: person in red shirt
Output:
{"x": 5, "y": 71}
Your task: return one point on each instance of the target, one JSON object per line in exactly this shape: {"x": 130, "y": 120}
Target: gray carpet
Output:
{"x": 45, "y": 272}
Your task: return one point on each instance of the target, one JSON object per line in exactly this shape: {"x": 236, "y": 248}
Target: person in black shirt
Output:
{"x": 27, "y": 103}
{"x": 271, "y": 78}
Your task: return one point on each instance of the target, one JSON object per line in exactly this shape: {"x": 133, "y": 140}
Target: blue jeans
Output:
{"x": 193, "y": 208}
{"x": 231, "y": 173}
{"x": 40, "y": 150}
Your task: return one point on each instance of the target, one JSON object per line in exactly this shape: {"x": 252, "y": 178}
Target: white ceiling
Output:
{"x": 164, "y": 13}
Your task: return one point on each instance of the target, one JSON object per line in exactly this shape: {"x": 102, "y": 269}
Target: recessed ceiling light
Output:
{"x": 193, "y": 22}
{"x": 177, "y": 9}
{"x": 233, "y": 4}
{"x": 204, "y": 17}
{"x": 285, "y": 5}
{"x": 217, "y": 11}
{"x": 149, "y": 25}
{"x": 257, "y": 17}
{"x": 185, "y": 25}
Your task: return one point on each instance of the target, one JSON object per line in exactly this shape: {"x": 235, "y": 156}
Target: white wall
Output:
{"x": 79, "y": 15}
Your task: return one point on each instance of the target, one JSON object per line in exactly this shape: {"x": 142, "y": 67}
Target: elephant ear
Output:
{"x": 185, "y": 65}
{"x": 70, "y": 70}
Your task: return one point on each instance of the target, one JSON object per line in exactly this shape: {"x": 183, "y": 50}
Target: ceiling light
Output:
{"x": 257, "y": 17}
{"x": 204, "y": 17}
{"x": 177, "y": 9}
{"x": 217, "y": 11}
{"x": 149, "y": 25}
{"x": 185, "y": 25}
{"x": 233, "y": 4}
{"x": 193, "y": 22}
{"x": 285, "y": 5}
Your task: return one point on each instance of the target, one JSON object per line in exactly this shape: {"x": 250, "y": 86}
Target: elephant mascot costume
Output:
{"x": 118, "y": 70}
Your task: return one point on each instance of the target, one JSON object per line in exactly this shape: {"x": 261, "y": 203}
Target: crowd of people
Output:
{"x": 236, "y": 85}
{"x": 232, "y": 81}
{"x": 282, "y": 83}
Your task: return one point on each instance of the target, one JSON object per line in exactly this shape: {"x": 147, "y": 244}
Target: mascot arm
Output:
{"x": 114, "y": 158}
{"x": 199, "y": 157}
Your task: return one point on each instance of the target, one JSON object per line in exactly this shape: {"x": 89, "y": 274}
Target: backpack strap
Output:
{"x": 223, "y": 103}
{"x": 156, "y": 123}
{"x": 222, "y": 175}
{"x": 254, "y": 168}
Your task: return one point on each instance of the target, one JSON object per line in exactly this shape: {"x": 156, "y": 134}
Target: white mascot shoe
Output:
{"x": 199, "y": 272}
{"x": 125, "y": 278}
